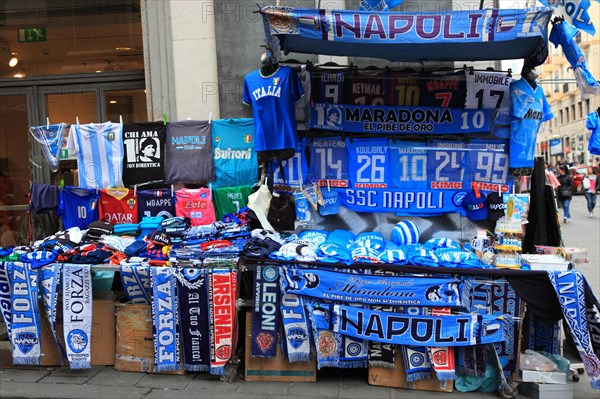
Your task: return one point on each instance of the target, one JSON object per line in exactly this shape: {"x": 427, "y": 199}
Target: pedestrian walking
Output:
{"x": 565, "y": 191}
{"x": 589, "y": 183}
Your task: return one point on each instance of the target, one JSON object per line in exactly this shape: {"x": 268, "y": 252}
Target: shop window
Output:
{"x": 580, "y": 107}
{"x": 573, "y": 115}
{"x": 562, "y": 120}
{"x": 127, "y": 104}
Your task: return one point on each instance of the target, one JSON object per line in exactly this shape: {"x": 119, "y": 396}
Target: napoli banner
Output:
{"x": 374, "y": 290}
{"x": 402, "y": 202}
{"x": 398, "y": 120}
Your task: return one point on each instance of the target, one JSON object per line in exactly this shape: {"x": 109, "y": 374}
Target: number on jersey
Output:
{"x": 408, "y": 160}
{"x": 487, "y": 90}
{"x": 446, "y": 164}
{"x": 329, "y": 161}
{"x": 368, "y": 162}
{"x": 488, "y": 165}
{"x": 294, "y": 168}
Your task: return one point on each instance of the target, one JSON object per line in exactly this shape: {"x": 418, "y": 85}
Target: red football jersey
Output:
{"x": 118, "y": 206}
{"x": 195, "y": 204}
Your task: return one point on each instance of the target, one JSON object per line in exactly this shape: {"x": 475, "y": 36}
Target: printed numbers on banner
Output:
{"x": 293, "y": 171}
{"x": 332, "y": 93}
{"x": 491, "y": 167}
{"x": 477, "y": 121}
{"x": 371, "y": 170}
{"x": 446, "y": 97}
{"x": 407, "y": 96}
{"x": 448, "y": 166}
{"x": 481, "y": 97}
{"x": 329, "y": 166}
{"x": 81, "y": 212}
{"x": 416, "y": 164}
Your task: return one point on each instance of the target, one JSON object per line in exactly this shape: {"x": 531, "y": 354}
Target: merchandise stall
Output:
{"x": 362, "y": 219}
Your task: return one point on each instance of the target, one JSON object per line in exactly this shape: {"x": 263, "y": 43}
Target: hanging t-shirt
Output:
{"x": 99, "y": 150}
{"x": 369, "y": 165}
{"x": 487, "y": 89}
{"x": 189, "y": 152}
{"x": 528, "y": 109}
{"x": 592, "y": 123}
{"x": 230, "y": 199}
{"x": 159, "y": 202}
{"x": 144, "y": 152}
{"x": 195, "y": 204}
{"x": 233, "y": 146}
{"x": 273, "y": 99}
{"x": 118, "y": 206}
{"x": 78, "y": 207}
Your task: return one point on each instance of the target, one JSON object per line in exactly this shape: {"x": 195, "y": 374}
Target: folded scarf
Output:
{"x": 419, "y": 255}
{"x": 382, "y": 355}
{"x": 295, "y": 327}
{"x": 77, "y": 314}
{"x": 416, "y": 362}
{"x": 135, "y": 278}
{"x": 164, "y": 319}
{"x": 394, "y": 256}
{"x": 543, "y": 337}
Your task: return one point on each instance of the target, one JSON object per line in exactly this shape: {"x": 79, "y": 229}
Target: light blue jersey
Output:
{"x": 528, "y": 109}
{"x": 408, "y": 161}
{"x": 369, "y": 164}
{"x": 234, "y": 154}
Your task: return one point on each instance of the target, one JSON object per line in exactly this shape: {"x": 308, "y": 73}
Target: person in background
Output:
{"x": 565, "y": 191}
{"x": 590, "y": 189}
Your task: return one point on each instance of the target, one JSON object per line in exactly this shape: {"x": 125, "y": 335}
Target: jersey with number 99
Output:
{"x": 487, "y": 164}
{"x": 368, "y": 162}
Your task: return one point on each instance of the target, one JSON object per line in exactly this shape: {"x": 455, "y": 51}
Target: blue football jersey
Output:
{"x": 273, "y": 99}
{"x": 368, "y": 161}
{"x": 328, "y": 161}
{"x": 158, "y": 202}
{"x": 408, "y": 164}
{"x": 487, "y": 165}
{"x": 528, "y": 109}
{"x": 234, "y": 154}
{"x": 294, "y": 168}
{"x": 78, "y": 207}
{"x": 446, "y": 163}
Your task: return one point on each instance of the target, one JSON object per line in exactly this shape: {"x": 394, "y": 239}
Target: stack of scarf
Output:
{"x": 420, "y": 255}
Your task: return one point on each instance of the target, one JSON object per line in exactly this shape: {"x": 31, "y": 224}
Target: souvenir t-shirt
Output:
{"x": 189, "y": 152}
{"x": 273, "y": 99}
{"x": 230, "y": 199}
{"x": 78, "y": 207}
{"x": 528, "y": 109}
{"x": 144, "y": 145}
{"x": 99, "y": 151}
{"x": 159, "y": 202}
{"x": 118, "y": 206}
{"x": 234, "y": 154}
{"x": 195, "y": 204}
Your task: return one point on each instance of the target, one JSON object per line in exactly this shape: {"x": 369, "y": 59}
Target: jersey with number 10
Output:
{"x": 78, "y": 207}
{"x": 368, "y": 163}
{"x": 408, "y": 164}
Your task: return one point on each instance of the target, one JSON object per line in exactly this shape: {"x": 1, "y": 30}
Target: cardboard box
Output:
{"x": 277, "y": 368}
{"x": 102, "y": 339}
{"x": 544, "y": 377}
{"x": 546, "y": 391}
{"x": 396, "y": 378}
{"x": 134, "y": 343}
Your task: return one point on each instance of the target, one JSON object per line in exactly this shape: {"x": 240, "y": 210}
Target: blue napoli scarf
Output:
{"x": 399, "y": 329}
{"x": 327, "y": 343}
{"x": 25, "y": 329}
{"x": 5, "y": 303}
{"x": 569, "y": 287}
{"x": 416, "y": 362}
{"x": 295, "y": 327}
{"x": 49, "y": 287}
{"x": 265, "y": 314}
{"x": 504, "y": 300}
{"x": 136, "y": 282}
{"x": 164, "y": 319}
{"x": 543, "y": 337}
{"x": 77, "y": 314}
{"x": 370, "y": 289}
{"x": 193, "y": 318}
{"x": 472, "y": 360}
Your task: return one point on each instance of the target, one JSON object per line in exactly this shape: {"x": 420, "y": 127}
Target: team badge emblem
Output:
{"x": 327, "y": 343}
{"x": 276, "y": 81}
{"x": 247, "y": 138}
{"x": 264, "y": 341}
{"x": 111, "y": 136}
{"x": 25, "y": 341}
{"x": 217, "y": 139}
{"x": 77, "y": 341}
{"x": 297, "y": 336}
{"x": 131, "y": 203}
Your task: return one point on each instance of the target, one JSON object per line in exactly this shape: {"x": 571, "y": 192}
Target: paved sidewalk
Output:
{"x": 105, "y": 382}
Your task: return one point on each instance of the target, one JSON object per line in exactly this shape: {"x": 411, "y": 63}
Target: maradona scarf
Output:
{"x": 136, "y": 282}
{"x": 49, "y": 286}
{"x": 265, "y": 313}
{"x": 193, "y": 318}
{"x": 222, "y": 294}
{"x": 5, "y": 303}
{"x": 164, "y": 319}
{"x": 455, "y": 330}
{"x": 295, "y": 327}
{"x": 370, "y": 289}
{"x": 77, "y": 314}
{"x": 569, "y": 287}
{"x": 25, "y": 314}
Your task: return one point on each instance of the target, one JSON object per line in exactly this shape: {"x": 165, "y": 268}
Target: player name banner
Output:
{"x": 415, "y": 202}
{"x": 388, "y": 290}
{"x": 406, "y": 329}
{"x": 398, "y": 120}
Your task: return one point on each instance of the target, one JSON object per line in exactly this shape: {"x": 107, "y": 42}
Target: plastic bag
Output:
{"x": 531, "y": 360}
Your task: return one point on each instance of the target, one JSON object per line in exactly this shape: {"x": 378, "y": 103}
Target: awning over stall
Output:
{"x": 490, "y": 34}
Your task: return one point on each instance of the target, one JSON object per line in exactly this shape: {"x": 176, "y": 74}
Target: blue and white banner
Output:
{"x": 26, "y": 332}
{"x": 5, "y": 304}
{"x": 402, "y": 202}
{"x": 370, "y": 289}
{"x": 404, "y": 329}
{"x": 575, "y": 12}
{"x": 556, "y": 147}
{"x": 136, "y": 282}
{"x": 77, "y": 314}
{"x": 398, "y": 120}
{"x": 164, "y": 319}
{"x": 50, "y": 278}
